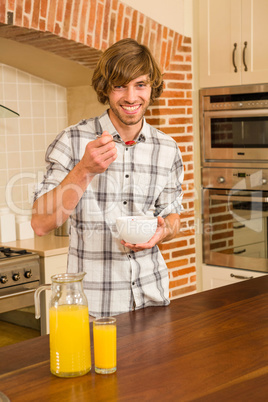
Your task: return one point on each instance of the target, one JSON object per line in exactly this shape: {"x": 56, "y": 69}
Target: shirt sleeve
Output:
{"x": 170, "y": 199}
{"x": 60, "y": 163}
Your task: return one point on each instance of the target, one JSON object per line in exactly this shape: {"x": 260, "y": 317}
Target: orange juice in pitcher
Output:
{"x": 70, "y": 354}
{"x": 69, "y": 340}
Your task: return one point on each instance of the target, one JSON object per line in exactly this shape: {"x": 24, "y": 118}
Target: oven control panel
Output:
{"x": 238, "y": 178}
{"x": 19, "y": 271}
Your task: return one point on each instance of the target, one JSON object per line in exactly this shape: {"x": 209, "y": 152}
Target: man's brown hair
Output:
{"x": 121, "y": 63}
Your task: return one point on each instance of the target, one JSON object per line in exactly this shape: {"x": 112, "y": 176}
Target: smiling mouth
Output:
{"x": 130, "y": 108}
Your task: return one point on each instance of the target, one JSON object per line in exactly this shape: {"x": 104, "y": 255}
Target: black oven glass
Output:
{"x": 239, "y": 132}
{"x": 252, "y": 96}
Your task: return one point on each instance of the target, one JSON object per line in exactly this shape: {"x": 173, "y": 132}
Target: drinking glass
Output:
{"x": 104, "y": 335}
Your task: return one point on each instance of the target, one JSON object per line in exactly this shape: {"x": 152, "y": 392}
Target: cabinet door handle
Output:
{"x": 234, "y": 50}
{"x": 241, "y": 276}
{"x": 240, "y": 251}
{"x": 244, "y": 56}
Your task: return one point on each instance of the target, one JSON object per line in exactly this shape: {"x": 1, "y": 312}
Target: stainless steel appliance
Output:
{"x": 19, "y": 277}
{"x": 234, "y": 126}
{"x": 235, "y": 218}
{"x": 234, "y": 138}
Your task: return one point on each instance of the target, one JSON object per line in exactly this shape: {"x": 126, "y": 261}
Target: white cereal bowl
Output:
{"x": 136, "y": 229}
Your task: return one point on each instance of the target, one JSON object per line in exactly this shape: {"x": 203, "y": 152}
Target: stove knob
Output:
{"x": 28, "y": 274}
{"x": 16, "y": 277}
{"x": 3, "y": 279}
{"x": 221, "y": 180}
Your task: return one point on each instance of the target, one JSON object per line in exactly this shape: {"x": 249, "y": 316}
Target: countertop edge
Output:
{"x": 45, "y": 246}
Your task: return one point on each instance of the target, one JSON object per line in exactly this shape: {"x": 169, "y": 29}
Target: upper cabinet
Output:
{"x": 233, "y": 46}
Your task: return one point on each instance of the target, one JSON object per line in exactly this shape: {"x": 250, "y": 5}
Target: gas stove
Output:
{"x": 7, "y": 252}
{"x": 19, "y": 278}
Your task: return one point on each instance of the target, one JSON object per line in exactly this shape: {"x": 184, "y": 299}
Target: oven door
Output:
{"x": 235, "y": 228}
{"x": 239, "y": 135}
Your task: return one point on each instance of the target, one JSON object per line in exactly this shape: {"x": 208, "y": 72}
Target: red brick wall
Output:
{"x": 69, "y": 28}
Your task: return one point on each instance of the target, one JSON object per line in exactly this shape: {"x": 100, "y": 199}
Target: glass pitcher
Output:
{"x": 69, "y": 325}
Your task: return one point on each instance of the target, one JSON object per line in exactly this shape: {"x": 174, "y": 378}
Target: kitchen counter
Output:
{"x": 45, "y": 246}
{"x": 207, "y": 346}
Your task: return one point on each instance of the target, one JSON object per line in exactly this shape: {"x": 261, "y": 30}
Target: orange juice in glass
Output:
{"x": 69, "y": 340}
{"x": 104, "y": 333}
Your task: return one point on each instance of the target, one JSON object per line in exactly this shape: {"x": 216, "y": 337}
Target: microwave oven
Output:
{"x": 234, "y": 126}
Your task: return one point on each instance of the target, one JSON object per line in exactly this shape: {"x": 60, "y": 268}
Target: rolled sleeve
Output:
{"x": 60, "y": 163}
{"x": 170, "y": 199}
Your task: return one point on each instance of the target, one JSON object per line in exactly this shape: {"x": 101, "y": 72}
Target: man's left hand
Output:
{"x": 159, "y": 235}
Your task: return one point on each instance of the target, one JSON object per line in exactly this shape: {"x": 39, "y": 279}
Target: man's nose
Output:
{"x": 130, "y": 95}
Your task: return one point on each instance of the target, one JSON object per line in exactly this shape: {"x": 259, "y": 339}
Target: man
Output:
{"x": 111, "y": 166}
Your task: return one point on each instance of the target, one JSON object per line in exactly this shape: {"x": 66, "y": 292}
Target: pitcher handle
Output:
{"x": 37, "y": 298}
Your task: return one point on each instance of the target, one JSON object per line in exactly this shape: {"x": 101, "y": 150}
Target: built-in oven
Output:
{"x": 234, "y": 155}
{"x": 235, "y": 218}
{"x": 234, "y": 125}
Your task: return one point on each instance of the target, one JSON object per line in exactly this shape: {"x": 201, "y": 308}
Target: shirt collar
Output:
{"x": 107, "y": 125}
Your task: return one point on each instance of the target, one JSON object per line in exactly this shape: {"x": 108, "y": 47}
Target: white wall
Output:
{"x": 175, "y": 14}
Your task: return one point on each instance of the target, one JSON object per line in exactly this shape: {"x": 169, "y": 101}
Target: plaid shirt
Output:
{"x": 145, "y": 179}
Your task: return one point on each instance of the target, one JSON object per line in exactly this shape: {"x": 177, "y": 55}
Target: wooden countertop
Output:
{"x": 210, "y": 346}
{"x": 45, "y": 246}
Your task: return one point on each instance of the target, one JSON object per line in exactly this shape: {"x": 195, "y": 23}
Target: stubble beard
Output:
{"x": 130, "y": 120}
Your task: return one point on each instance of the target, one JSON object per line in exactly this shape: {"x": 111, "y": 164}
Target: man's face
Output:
{"x": 128, "y": 103}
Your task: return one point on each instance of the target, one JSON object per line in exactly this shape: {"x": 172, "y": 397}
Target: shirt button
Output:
{"x": 129, "y": 256}
{"x": 127, "y": 176}
{"x": 124, "y": 202}
{"x": 133, "y": 283}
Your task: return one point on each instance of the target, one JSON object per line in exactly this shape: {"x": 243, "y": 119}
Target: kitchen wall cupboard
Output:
{"x": 233, "y": 46}
{"x": 214, "y": 276}
{"x": 52, "y": 265}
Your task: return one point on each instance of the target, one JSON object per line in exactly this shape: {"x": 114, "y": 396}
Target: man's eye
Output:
{"x": 118, "y": 86}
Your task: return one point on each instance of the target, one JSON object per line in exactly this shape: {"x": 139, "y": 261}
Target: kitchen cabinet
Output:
{"x": 215, "y": 277}
{"x": 51, "y": 265}
{"x": 233, "y": 48}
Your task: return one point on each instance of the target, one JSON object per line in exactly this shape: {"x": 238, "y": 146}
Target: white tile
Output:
{"x": 12, "y": 143}
{"x": 9, "y": 74}
{"x": 13, "y": 161}
{"x": 24, "y": 92}
{"x": 3, "y": 160}
{"x": 26, "y": 143}
{"x": 3, "y": 177}
{"x": 27, "y": 159}
{"x": 52, "y": 126}
{"x": 26, "y": 126}
{"x": 10, "y": 92}
{"x": 36, "y": 80}
{"x": 37, "y": 92}
{"x": 25, "y": 109}
{"x": 23, "y": 78}
{"x": 38, "y": 126}
{"x": 62, "y": 109}
{"x": 12, "y": 126}
{"x": 23, "y": 141}
{"x": 38, "y": 109}
{"x": 49, "y": 92}
{"x": 51, "y": 109}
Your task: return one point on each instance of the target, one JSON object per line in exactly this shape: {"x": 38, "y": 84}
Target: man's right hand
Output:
{"x": 53, "y": 208}
{"x": 99, "y": 154}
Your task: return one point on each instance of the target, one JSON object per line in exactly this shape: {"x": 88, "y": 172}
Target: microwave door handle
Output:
{"x": 238, "y": 198}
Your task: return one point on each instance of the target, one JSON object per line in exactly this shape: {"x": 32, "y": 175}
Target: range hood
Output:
{"x": 6, "y": 112}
